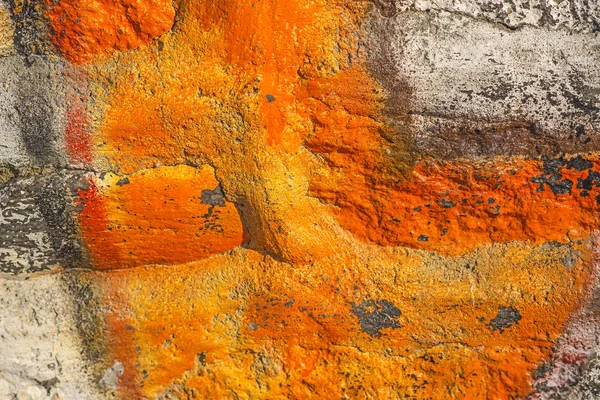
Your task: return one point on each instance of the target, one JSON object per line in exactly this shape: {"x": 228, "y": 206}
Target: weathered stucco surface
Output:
{"x": 299, "y": 199}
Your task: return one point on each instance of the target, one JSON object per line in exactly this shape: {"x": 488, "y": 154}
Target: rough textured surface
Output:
{"x": 41, "y": 354}
{"x": 299, "y": 198}
{"x": 38, "y": 229}
{"x": 31, "y": 118}
{"x": 522, "y": 92}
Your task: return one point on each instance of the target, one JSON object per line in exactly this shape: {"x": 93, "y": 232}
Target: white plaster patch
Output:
{"x": 461, "y": 68}
{"x": 110, "y": 379}
{"x": 40, "y": 354}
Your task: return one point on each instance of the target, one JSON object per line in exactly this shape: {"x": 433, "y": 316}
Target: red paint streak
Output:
{"x": 93, "y": 221}
{"x": 76, "y": 138}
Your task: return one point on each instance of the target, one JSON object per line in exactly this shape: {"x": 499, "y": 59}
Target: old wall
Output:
{"x": 299, "y": 198}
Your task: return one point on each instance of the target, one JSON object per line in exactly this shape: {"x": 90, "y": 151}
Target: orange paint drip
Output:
{"x": 85, "y": 30}
{"x": 158, "y": 217}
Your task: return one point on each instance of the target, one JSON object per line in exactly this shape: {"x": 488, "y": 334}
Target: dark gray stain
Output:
{"x": 34, "y": 105}
{"x": 498, "y": 92}
{"x": 56, "y": 206}
{"x": 289, "y": 303}
{"x": 581, "y": 96}
{"x": 270, "y": 98}
{"x": 506, "y": 317}
{"x": 90, "y": 323}
{"x": 579, "y": 164}
{"x": 37, "y": 224}
{"x": 375, "y": 315}
{"x": 591, "y": 181}
{"x": 35, "y": 122}
{"x": 201, "y": 359}
{"x": 447, "y": 203}
{"x": 123, "y": 182}
{"x": 22, "y": 232}
{"x": 553, "y": 178}
{"x": 214, "y": 198}
{"x": 31, "y": 29}
{"x": 423, "y": 238}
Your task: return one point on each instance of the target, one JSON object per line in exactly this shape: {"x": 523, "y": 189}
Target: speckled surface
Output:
{"x": 299, "y": 199}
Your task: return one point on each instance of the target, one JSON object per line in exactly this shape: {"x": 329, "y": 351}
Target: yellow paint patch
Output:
{"x": 243, "y": 324}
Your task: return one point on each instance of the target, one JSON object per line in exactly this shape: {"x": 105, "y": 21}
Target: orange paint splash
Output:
{"x": 249, "y": 87}
{"x": 222, "y": 90}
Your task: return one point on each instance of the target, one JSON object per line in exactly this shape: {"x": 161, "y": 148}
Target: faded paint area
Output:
{"x": 158, "y": 216}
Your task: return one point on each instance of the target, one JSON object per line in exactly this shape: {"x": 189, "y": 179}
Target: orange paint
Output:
{"x": 157, "y": 217}
{"x": 245, "y": 324}
{"x": 276, "y": 96}
{"x": 220, "y": 89}
{"x": 454, "y": 207}
{"x": 84, "y": 30}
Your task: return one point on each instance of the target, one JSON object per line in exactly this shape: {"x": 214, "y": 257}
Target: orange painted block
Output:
{"x": 167, "y": 215}
{"x": 84, "y": 30}
{"x": 454, "y": 207}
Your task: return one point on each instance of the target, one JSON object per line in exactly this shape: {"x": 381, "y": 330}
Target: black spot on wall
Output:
{"x": 214, "y": 198}
{"x": 447, "y": 203}
{"x": 373, "y": 316}
{"x": 553, "y": 178}
{"x": 123, "y": 182}
{"x": 506, "y": 317}
{"x": 591, "y": 181}
{"x": 579, "y": 164}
